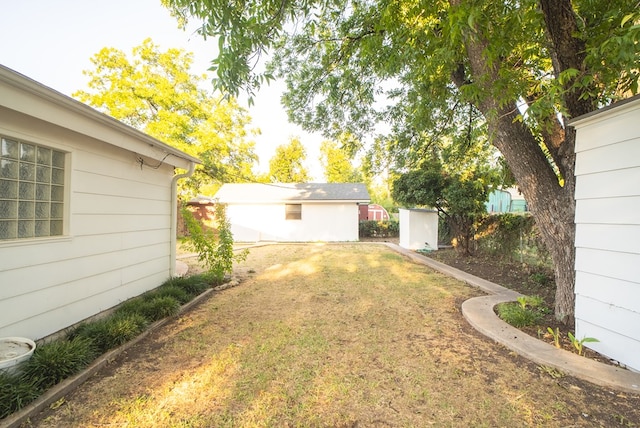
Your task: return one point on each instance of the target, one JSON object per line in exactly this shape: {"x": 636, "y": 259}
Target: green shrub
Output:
{"x": 517, "y": 315}
{"x": 178, "y": 293}
{"x": 55, "y": 361}
{"x": 194, "y": 285}
{"x": 540, "y": 278}
{"x": 160, "y": 307}
{"x": 151, "y": 306}
{"x": 112, "y": 332}
{"x": 512, "y": 237}
{"x": 215, "y": 250}
{"x": 16, "y": 391}
{"x": 131, "y": 307}
{"x": 378, "y": 229}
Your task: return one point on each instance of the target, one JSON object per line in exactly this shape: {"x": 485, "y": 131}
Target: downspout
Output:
{"x": 174, "y": 214}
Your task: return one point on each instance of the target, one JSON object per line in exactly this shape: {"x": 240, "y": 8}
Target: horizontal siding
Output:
{"x": 623, "y": 266}
{"x": 616, "y": 128}
{"x": 99, "y": 224}
{"x": 609, "y": 316}
{"x": 56, "y": 274}
{"x": 607, "y": 158}
{"x": 608, "y": 210}
{"x": 91, "y": 203}
{"x": 119, "y": 224}
{"x": 24, "y": 256}
{"x": 623, "y": 294}
{"x": 60, "y": 317}
{"x": 623, "y": 238}
{"x": 626, "y": 182}
{"x": 110, "y": 161}
{"x": 608, "y": 232}
{"x": 612, "y": 344}
{"x": 88, "y": 182}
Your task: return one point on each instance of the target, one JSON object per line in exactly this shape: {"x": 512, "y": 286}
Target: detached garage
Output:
{"x": 286, "y": 212}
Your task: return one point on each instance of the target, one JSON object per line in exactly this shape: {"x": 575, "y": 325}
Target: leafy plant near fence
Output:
{"x": 57, "y": 360}
{"x": 214, "y": 247}
{"x": 513, "y": 237}
{"x": 378, "y": 229}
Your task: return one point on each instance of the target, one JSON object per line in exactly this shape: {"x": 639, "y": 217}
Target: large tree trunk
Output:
{"x": 552, "y": 203}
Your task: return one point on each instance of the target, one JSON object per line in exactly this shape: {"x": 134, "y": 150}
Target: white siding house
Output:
{"x": 608, "y": 230}
{"x": 86, "y": 209}
{"x": 293, "y": 212}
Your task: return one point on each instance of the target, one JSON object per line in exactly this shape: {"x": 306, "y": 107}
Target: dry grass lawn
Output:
{"x": 332, "y": 335}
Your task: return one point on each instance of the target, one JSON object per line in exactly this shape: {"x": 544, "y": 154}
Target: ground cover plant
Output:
{"x": 59, "y": 359}
{"x": 332, "y": 335}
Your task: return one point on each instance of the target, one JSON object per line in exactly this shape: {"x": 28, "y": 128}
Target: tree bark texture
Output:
{"x": 551, "y": 203}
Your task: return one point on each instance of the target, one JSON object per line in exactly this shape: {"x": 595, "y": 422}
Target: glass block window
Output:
{"x": 31, "y": 190}
{"x": 293, "y": 211}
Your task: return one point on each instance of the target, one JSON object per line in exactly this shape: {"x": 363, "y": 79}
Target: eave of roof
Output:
{"x": 292, "y": 192}
{"x": 27, "y": 85}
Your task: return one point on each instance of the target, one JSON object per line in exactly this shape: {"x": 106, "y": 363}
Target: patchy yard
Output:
{"x": 332, "y": 335}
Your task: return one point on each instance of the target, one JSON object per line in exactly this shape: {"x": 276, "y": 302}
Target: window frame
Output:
{"x": 293, "y": 211}
{"x": 35, "y": 197}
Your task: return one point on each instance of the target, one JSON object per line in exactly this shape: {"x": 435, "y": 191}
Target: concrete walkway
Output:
{"x": 478, "y": 311}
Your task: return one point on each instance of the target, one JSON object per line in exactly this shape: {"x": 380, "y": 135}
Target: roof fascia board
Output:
{"x": 600, "y": 114}
{"x": 25, "y": 95}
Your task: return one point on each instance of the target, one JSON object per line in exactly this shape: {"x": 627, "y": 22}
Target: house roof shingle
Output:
{"x": 287, "y": 192}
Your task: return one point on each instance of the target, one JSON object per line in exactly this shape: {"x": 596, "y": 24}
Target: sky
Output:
{"x": 52, "y": 41}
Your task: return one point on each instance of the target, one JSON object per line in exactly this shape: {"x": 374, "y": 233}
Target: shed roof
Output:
{"x": 22, "y": 94}
{"x": 287, "y": 192}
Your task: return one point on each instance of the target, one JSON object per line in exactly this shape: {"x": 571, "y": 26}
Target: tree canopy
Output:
{"x": 287, "y": 164}
{"x": 423, "y": 68}
{"x": 338, "y": 164}
{"x": 155, "y": 92}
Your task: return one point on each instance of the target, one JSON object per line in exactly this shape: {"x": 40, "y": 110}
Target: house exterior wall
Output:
{"x": 418, "y": 228}
{"x": 608, "y": 232}
{"x": 116, "y": 243}
{"x": 320, "y": 222}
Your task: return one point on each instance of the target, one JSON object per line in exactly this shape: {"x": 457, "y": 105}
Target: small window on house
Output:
{"x": 293, "y": 211}
{"x": 31, "y": 190}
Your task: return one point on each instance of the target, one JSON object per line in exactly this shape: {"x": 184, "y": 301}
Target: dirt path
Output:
{"x": 328, "y": 335}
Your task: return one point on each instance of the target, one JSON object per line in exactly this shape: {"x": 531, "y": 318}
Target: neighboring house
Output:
{"x": 377, "y": 212}
{"x": 293, "y": 212}
{"x": 608, "y": 230}
{"x": 509, "y": 200}
{"x": 87, "y": 209}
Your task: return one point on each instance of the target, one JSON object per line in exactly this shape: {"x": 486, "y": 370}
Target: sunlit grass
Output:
{"x": 322, "y": 335}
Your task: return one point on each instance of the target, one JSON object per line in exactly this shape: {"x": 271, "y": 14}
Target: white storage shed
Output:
{"x": 418, "y": 229}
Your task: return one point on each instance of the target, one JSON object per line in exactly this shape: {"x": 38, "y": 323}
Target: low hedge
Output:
{"x": 379, "y": 229}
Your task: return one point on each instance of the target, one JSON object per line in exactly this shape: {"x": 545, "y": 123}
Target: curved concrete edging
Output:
{"x": 478, "y": 311}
